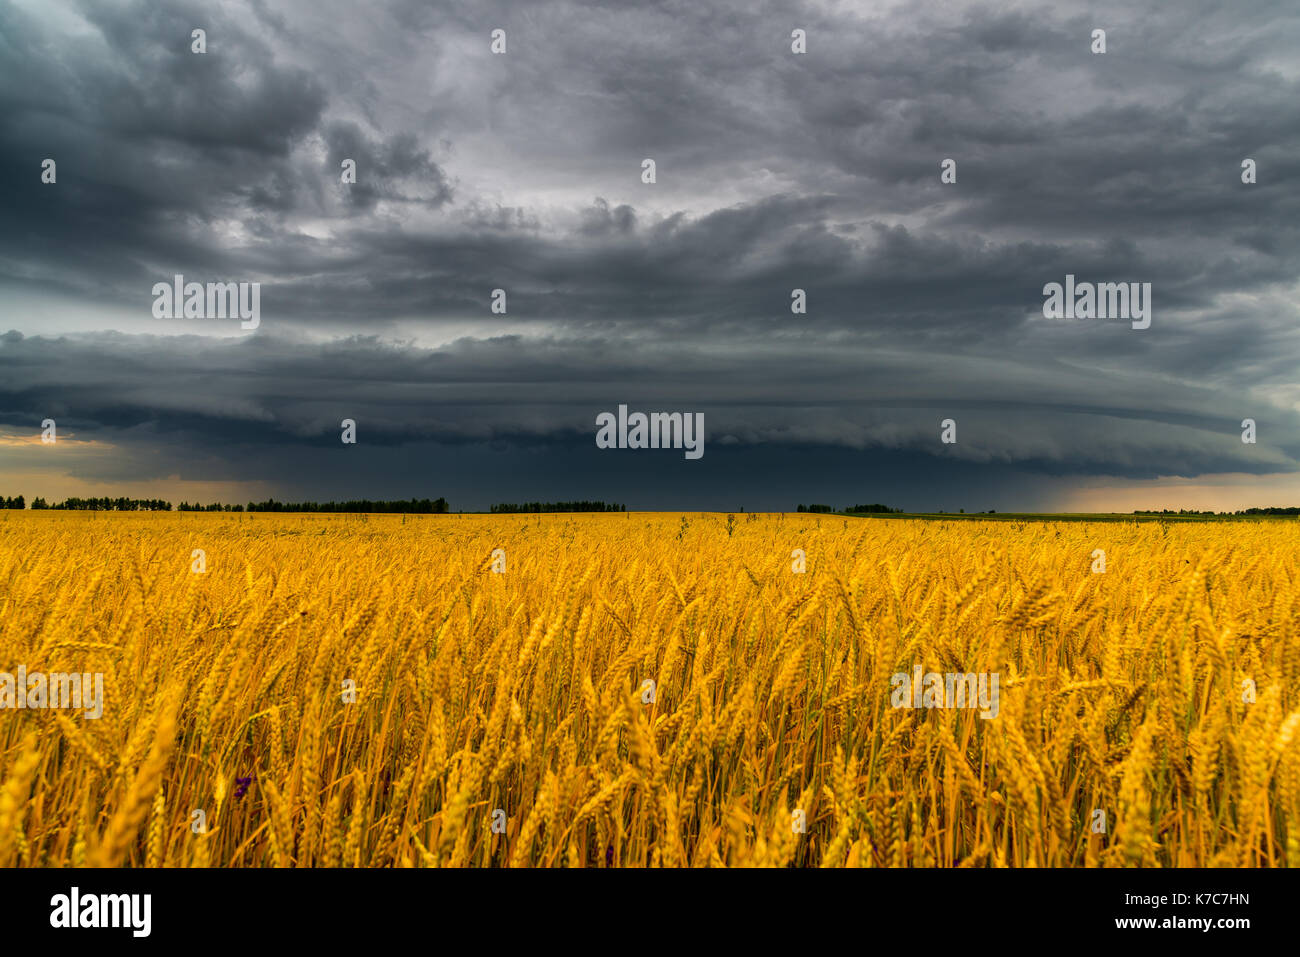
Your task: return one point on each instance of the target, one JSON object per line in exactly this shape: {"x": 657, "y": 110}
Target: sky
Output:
{"x": 773, "y": 171}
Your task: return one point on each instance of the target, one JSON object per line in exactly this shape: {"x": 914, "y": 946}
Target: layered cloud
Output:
{"x": 775, "y": 172}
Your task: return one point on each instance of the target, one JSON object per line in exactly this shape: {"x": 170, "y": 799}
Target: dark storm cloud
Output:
{"x": 288, "y": 395}
{"x": 386, "y": 167}
{"x": 775, "y": 172}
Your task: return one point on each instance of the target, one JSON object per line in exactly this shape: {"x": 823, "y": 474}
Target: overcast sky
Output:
{"x": 774, "y": 171}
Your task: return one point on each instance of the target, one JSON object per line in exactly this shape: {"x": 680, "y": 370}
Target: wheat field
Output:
{"x": 504, "y": 718}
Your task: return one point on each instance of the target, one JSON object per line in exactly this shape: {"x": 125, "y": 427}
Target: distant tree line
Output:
{"x": 874, "y": 509}
{"x": 1293, "y": 510}
{"x": 412, "y": 506}
{"x": 512, "y": 508}
{"x": 105, "y": 504}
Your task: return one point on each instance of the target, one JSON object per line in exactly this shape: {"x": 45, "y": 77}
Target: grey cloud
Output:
{"x": 776, "y": 172}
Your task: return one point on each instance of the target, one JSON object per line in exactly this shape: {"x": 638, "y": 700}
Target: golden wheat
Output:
{"x": 390, "y": 700}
